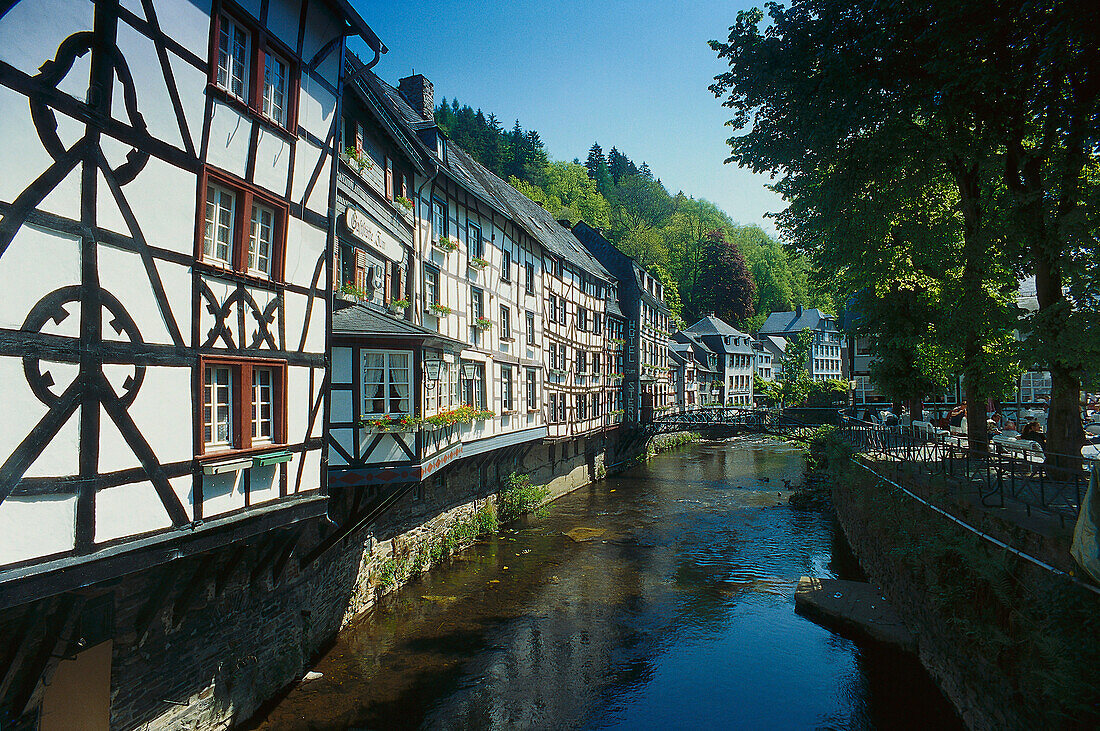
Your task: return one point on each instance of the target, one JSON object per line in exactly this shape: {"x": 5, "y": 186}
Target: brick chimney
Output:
{"x": 419, "y": 93}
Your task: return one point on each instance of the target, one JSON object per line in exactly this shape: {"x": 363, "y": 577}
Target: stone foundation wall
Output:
{"x": 204, "y": 642}
{"x": 1001, "y": 637}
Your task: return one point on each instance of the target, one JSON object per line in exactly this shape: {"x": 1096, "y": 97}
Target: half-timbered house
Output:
{"x": 165, "y": 249}
{"x": 647, "y": 377}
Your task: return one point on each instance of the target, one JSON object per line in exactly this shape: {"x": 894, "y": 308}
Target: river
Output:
{"x": 675, "y": 609}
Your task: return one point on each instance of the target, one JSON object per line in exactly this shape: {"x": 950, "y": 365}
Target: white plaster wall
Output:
{"x": 189, "y": 23}
{"x": 22, "y": 157}
{"x": 163, "y": 413}
{"x": 305, "y": 245}
{"x": 265, "y": 484}
{"x": 149, "y": 83}
{"x": 306, "y": 155}
{"x": 316, "y": 105}
{"x": 221, "y": 290}
{"x": 40, "y": 261}
{"x": 272, "y": 162}
{"x": 341, "y": 365}
{"x": 123, "y": 274}
{"x": 229, "y": 136}
{"x": 294, "y": 307}
{"x": 282, "y": 20}
{"x": 311, "y": 471}
{"x": 128, "y": 510}
{"x": 321, "y": 27}
{"x": 222, "y": 493}
{"x": 32, "y": 30}
{"x": 340, "y": 406}
{"x": 191, "y": 85}
{"x": 298, "y": 400}
{"x": 318, "y": 199}
{"x": 38, "y": 526}
{"x": 345, "y": 438}
{"x": 162, "y": 199}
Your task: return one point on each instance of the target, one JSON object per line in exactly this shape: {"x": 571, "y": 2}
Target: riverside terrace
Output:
{"x": 1018, "y": 480}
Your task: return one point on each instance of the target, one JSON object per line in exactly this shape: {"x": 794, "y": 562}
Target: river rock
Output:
{"x": 581, "y": 535}
{"x": 852, "y": 607}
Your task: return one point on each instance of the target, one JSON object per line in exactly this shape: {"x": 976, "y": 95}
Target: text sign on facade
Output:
{"x": 360, "y": 227}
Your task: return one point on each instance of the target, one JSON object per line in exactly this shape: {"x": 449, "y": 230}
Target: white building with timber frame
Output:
{"x": 165, "y": 250}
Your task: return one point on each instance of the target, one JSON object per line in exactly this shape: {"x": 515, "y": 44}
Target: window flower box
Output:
{"x": 446, "y": 244}
{"x": 387, "y": 423}
{"x": 404, "y": 203}
{"x": 483, "y": 323}
{"x": 557, "y": 372}
{"x": 358, "y": 159}
{"x": 476, "y": 262}
{"x": 350, "y": 291}
{"x": 439, "y": 310}
{"x": 398, "y": 307}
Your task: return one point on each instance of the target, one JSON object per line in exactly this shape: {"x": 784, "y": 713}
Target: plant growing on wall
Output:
{"x": 519, "y": 497}
{"x": 447, "y": 244}
{"x": 439, "y": 310}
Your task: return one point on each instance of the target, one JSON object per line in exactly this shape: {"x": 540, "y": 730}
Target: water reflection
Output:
{"x": 680, "y": 614}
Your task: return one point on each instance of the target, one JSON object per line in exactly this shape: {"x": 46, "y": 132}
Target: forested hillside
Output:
{"x": 707, "y": 261}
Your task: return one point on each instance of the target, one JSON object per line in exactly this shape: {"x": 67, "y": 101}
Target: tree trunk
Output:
{"x": 1065, "y": 434}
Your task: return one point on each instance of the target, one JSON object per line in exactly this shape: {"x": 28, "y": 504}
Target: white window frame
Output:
{"x": 507, "y": 388}
{"x": 273, "y": 107}
{"x": 215, "y": 206}
{"x": 393, "y": 362}
{"x": 263, "y": 397}
{"x": 257, "y": 242}
{"x": 213, "y": 405}
{"x": 229, "y": 34}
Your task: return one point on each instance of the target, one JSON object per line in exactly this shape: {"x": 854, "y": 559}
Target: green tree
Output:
{"x": 726, "y": 286}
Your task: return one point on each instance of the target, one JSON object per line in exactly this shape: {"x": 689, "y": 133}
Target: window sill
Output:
{"x": 217, "y": 268}
{"x": 223, "y": 458}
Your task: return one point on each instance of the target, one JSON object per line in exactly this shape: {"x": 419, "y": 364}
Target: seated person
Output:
{"x": 1034, "y": 433}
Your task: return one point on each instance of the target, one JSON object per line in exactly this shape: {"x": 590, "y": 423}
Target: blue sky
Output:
{"x": 633, "y": 75}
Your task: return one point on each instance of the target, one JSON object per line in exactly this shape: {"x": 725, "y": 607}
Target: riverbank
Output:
{"x": 1010, "y": 644}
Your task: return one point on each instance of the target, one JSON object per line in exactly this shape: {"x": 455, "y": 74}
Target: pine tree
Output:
{"x": 617, "y": 164}
{"x": 595, "y": 158}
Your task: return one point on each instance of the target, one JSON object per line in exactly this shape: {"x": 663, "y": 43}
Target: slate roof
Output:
{"x": 368, "y": 320}
{"x": 711, "y": 325}
{"x": 793, "y": 322}
{"x": 494, "y": 191}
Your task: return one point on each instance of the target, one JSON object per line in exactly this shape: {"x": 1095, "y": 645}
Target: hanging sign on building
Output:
{"x": 362, "y": 228}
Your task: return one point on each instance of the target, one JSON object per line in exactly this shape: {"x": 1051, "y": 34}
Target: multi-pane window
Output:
{"x": 233, "y": 58}
{"x": 242, "y": 403}
{"x": 386, "y": 382}
{"x": 506, "y": 388}
{"x": 473, "y": 384}
{"x": 582, "y": 408}
{"x": 276, "y": 76}
{"x": 261, "y": 241}
{"x": 475, "y": 246}
{"x": 263, "y": 405}
{"x": 562, "y": 356}
{"x": 596, "y": 323}
{"x": 582, "y": 318}
{"x": 596, "y": 363}
{"x": 477, "y": 303}
{"x": 218, "y": 414}
{"x": 220, "y": 211}
{"x": 582, "y": 361}
{"x": 439, "y": 219}
{"x": 553, "y": 408}
{"x": 529, "y": 278}
{"x": 431, "y": 285}
{"x": 506, "y": 265}
{"x": 532, "y": 389}
{"x": 562, "y": 312}
{"x": 530, "y": 328}
{"x": 552, "y": 309}
{"x": 553, "y": 357}
{"x": 505, "y": 323}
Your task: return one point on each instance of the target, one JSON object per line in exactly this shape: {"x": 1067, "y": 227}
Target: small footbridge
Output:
{"x": 737, "y": 420}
